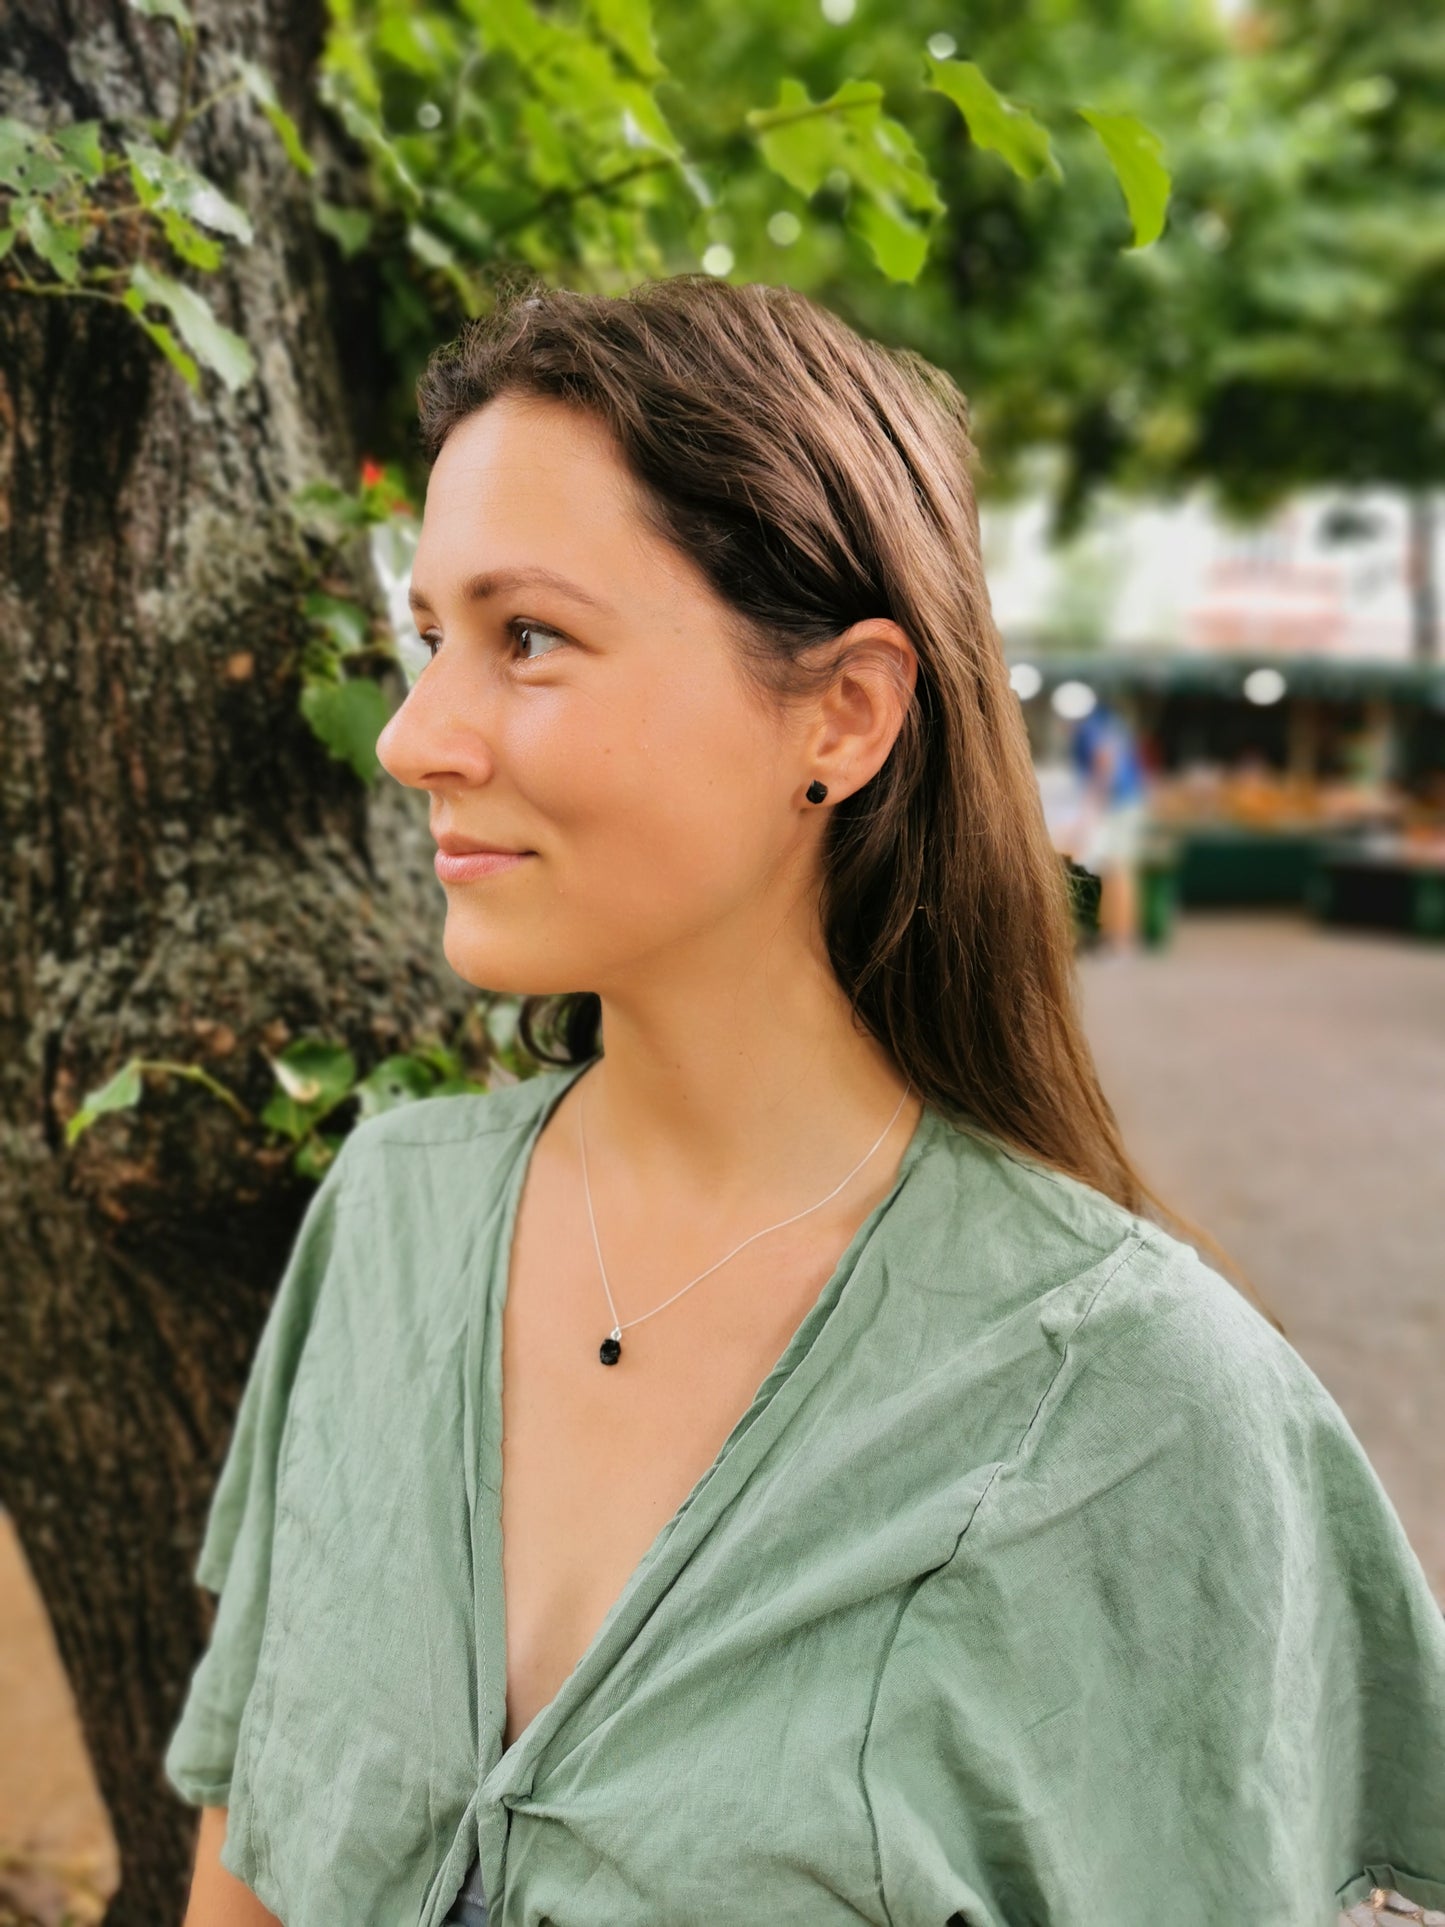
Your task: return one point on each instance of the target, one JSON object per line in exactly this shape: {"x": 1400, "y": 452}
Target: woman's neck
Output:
{"x": 740, "y": 1117}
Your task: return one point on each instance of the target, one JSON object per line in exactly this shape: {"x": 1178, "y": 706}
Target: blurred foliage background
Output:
{"x": 948, "y": 179}
{"x": 1288, "y": 326}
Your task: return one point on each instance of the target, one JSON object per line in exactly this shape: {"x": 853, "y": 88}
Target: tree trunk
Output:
{"x": 186, "y": 875}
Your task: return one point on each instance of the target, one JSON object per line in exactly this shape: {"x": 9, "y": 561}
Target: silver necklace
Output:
{"x": 610, "y": 1349}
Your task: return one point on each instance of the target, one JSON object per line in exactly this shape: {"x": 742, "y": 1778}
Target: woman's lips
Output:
{"x": 476, "y": 864}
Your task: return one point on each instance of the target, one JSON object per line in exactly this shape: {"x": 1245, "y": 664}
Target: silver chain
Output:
{"x": 618, "y": 1328}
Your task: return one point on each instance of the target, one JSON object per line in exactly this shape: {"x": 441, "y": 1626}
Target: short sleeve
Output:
{"x": 1183, "y": 1665}
{"x": 235, "y": 1555}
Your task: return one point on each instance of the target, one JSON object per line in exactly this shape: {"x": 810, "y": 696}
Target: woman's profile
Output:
{"x": 774, "y": 1464}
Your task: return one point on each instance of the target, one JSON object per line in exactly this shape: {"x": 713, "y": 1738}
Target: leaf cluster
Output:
{"x": 106, "y": 210}
{"x": 315, "y": 1078}
{"x": 500, "y": 135}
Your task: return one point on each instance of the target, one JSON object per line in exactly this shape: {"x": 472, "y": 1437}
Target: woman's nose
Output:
{"x": 396, "y": 746}
{"x": 435, "y": 737}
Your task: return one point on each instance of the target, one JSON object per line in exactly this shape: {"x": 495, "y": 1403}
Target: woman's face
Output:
{"x": 602, "y": 727}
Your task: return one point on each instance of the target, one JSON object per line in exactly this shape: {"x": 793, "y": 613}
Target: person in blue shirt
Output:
{"x": 1112, "y": 817}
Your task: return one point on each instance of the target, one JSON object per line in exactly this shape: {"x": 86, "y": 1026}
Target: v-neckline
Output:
{"x": 508, "y": 1772}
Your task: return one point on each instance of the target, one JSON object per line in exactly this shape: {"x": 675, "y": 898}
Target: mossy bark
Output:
{"x": 184, "y": 874}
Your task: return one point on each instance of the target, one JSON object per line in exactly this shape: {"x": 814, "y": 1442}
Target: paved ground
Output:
{"x": 1284, "y": 1085}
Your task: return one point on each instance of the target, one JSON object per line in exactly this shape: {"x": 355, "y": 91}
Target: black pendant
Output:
{"x": 610, "y": 1351}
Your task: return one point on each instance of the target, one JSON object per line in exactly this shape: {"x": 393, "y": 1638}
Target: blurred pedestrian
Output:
{"x": 1113, "y": 812}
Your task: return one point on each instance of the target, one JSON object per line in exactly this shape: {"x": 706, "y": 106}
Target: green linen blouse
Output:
{"x": 1041, "y": 1584}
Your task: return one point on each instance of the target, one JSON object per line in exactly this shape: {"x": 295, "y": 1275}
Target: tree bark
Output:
{"x": 186, "y": 875}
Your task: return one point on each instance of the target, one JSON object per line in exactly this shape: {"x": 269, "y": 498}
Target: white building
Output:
{"x": 1327, "y": 573}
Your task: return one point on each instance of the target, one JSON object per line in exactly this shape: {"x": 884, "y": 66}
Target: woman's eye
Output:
{"x": 521, "y": 626}
{"x": 432, "y": 641}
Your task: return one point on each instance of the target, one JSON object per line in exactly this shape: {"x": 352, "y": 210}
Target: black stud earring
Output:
{"x": 816, "y": 791}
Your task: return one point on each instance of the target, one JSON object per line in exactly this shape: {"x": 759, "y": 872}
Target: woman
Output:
{"x": 899, "y": 1526}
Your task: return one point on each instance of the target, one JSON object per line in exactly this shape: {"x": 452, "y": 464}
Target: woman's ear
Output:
{"x": 862, "y": 710}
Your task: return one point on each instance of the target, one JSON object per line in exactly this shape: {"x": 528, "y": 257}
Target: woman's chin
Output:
{"x": 503, "y": 968}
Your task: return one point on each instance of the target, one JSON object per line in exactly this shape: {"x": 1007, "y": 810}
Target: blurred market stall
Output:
{"x": 1271, "y": 778}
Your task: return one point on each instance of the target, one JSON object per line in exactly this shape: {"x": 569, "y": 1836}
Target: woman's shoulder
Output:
{"x": 410, "y": 1191}
{"x": 1142, "y": 1344}
{"x": 1167, "y": 1320}
{"x": 1178, "y": 1604}
{"x": 1112, "y": 1269}
{"x": 1177, "y": 1397}
{"x": 460, "y": 1118}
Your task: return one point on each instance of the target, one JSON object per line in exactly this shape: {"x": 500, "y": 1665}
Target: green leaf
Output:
{"x": 348, "y": 717}
{"x": 460, "y": 221}
{"x": 698, "y": 186}
{"x": 429, "y": 248}
{"x": 805, "y": 141}
{"x": 312, "y": 1072}
{"x": 628, "y": 25}
{"x": 122, "y": 1093}
{"x": 80, "y": 144}
{"x": 799, "y": 138}
{"x": 433, "y": 252}
{"x": 551, "y": 157}
{"x": 349, "y": 227}
{"x": 314, "y": 1077}
{"x": 24, "y": 165}
{"x": 445, "y": 1062}
{"x": 7, "y": 241}
{"x": 58, "y": 243}
{"x": 347, "y": 623}
{"x": 424, "y": 45}
{"x": 332, "y": 510}
{"x": 515, "y": 25}
{"x": 174, "y": 353}
{"x": 262, "y": 90}
{"x": 215, "y": 346}
{"x": 899, "y": 247}
{"x": 162, "y": 180}
{"x": 395, "y": 1080}
{"x": 364, "y": 129}
{"x": 173, "y": 10}
{"x": 316, "y": 1154}
{"x": 193, "y": 247}
{"x": 161, "y": 335}
{"x": 992, "y": 121}
{"x": 893, "y": 155}
{"x": 1136, "y": 155}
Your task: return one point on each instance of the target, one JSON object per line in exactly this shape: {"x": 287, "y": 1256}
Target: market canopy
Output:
{"x": 1183, "y": 672}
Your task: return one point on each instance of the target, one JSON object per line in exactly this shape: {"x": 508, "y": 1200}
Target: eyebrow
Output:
{"x": 490, "y": 582}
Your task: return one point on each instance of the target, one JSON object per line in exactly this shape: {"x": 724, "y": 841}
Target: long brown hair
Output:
{"x": 817, "y": 478}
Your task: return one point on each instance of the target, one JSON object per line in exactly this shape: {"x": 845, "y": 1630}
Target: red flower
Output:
{"x": 371, "y": 473}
